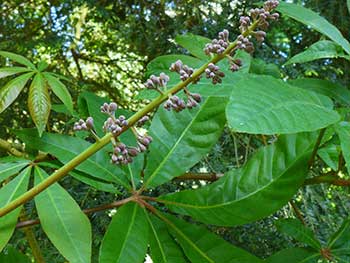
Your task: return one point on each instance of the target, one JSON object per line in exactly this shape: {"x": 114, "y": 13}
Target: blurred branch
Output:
{"x": 200, "y": 176}
{"x": 329, "y": 179}
{"x": 10, "y": 149}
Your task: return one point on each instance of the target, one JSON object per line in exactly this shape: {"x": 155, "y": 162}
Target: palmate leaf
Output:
{"x": 181, "y": 139}
{"x": 164, "y": 248}
{"x": 294, "y": 255}
{"x": 315, "y": 21}
{"x": 126, "y": 238}
{"x": 18, "y": 58}
{"x": 9, "y": 71}
{"x": 60, "y": 90}
{"x": 39, "y": 103}
{"x": 265, "y": 105}
{"x": 295, "y": 229}
{"x": 9, "y": 192}
{"x": 11, "y": 90}
{"x": 266, "y": 183}
{"x": 62, "y": 220}
{"x": 11, "y": 168}
{"x": 202, "y": 246}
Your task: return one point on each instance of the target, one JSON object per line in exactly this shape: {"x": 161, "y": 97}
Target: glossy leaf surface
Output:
{"x": 62, "y": 220}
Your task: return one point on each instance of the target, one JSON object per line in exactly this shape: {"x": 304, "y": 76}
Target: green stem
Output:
{"x": 64, "y": 170}
{"x": 317, "y": 145}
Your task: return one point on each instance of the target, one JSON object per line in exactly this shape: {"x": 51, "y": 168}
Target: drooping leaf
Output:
{"x": 126, "y": 238}
{"x": 181, "y": 139}
{"x": 9, "y": 71}
{"x": 315, "y": 21}
{"x": 11, "y": 168}
{"x": 60, "y": 90}
{"x": 65, "y": 148}
{"x": 294, "y": 255}
{"x": 267, "y": 182}
{"x": 61, "y": 218}
{"x": 39, "y": 103}
{"x": 330, "y": 155}
{"x": 194, "y": 44}
{"x": 343, "y": 131}
{"x": 200, "y": 245}
{"x": 18, "y": 58}
{"x": 265, "y": 105}
{"x": 8, "y": 193}
{"x": 325, "y": 87}
{"x": 11, "y": 255}
{"x": 11, "y": 90}
{"x": 318, "y": 50}
{"x": 164, "y": 248}
{"x": 294, "y": 228}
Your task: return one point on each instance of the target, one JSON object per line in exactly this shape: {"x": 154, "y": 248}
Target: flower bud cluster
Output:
{"x": 142, "y": 121}
{"x": 109, "y": 108}
{"x": 155, "y": 82}
{"x": 213, "y": 72}
{"x": 218, "y": 46}
{"x": 123, "y": 154}
{"x": 82, "y": 125}
{"x": 143, "y": 141}
{"x": 245, "y": 44}
{"x": 115, "y": 125}
{"x": 235, "y": 64}
{"x": 175, "y": 103}
{"x": 184, "y": 70}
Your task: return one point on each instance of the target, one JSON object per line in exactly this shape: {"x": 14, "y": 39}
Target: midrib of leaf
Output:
{"x": 296, "y": 229}
{"x": 12, "y": 167}
{"x": 60, "y": 217}
{"x": 128, "y": 232}
{"x": 311, "y": 257}
{"x": 172, "y": 149}
{"x": 339, "y": 234}
{"x": 131, "y": 176}
{"x": 17, "y": 186}
{"x": 237, "y": 200}
{"x": 156, "y": 237}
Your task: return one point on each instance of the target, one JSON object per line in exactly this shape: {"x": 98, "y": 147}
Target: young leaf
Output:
{"x": 126, "y": 238}
{"x": 294, "y": 255}
{"x": 312, "y": 19}
{"x": 8, "y": 169}
{"x": 343, "y": 131}
{"x": 18, "y": 58}
{"x": 9, "y": 192}
{"x": 39, "y": 103}
{"x": 194, "y": 44}
{"x": 164, "y": 248}
{"x": 65, "y": 148}
{"x": 11, "y": 90}
{"x": 202, "y": 246}
{"x": 181, "y": 139}
{"x": 11, "y": 255}
{"x": 295, "y": 229}
{"x": 265, "y": 184}
{"x": 60, "y": 90}
{"x": 318, "y": 50}
{"x": 325, "y": 87}
{"x": 265, "y": 105}
{"x": 9, "y": 71}
{"x": 330, "y": 155}
{"x": 64, "y": 223}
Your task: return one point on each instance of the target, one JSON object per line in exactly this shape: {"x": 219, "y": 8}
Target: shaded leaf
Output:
{"x": 11, "y": 90}
{"x": 330, "y": 155}
{"x": 8, "y": 193}
{"x": 194, "y": 44}
{"x": 39, "y": 103}
{"x": 18, "y": 58}
{"x": 11, "y": 255}
{"x": 266, "y": 183}
{"x": 8, "y": 169}
{"x": 126, "y": 238}
{"x": 294, "y": 255}
{"x": 60, "y": 90}
{"x": 181, "y": 139}
{"x": 260, "y": 67}
{"x": 9, "y": 71}
{"x": 341, "y": 238}
{"x": 62, "y": 220}
{"x": 265, "y": 105}
{"x": 343, "y": 131}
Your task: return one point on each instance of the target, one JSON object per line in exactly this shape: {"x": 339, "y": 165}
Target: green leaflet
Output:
{"x": 318, "y": 50}
{"x": 194, "y": 44}
{"x": 266, "y": 183}
{"x": 12, "y": 89}
{"x": 65, "y": 148}
{"x": 295, "y": 229}
{"x": 8, "y": 193}
{"x": 325, "y": 87}
{"x": 341, "y": 239}
{"x": 181, "y": 139}
{"x": 9, "y": 71}
{"x": 126, "y": 238}
{"x": 164, "y": 248}
{"x": 60, "y": 90}
{"x": 18, "y": 58}
{"x": 11, "y": 255}
{"x": 265, "y": 105}
{"x": 39, "y": 103}
{"x": 64, "y": 223}
{"x": 343, "y": 131}
{"x": 312, "y": 19}
{"x": 330, "y": 155}
{"x": 202, "y": 246}
{"x": 294, "y": 255}
{"x": 11, "y": 168}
